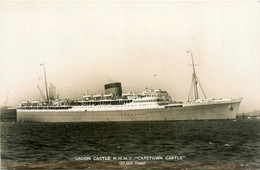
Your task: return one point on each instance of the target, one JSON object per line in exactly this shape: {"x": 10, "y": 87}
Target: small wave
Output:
{"x": 227, "y": 145}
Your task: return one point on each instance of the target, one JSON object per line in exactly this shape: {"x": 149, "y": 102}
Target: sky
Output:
{"x": 87, "y": 44}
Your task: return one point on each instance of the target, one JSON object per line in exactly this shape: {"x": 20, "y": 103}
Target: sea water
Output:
{"x": 219, "y": 144}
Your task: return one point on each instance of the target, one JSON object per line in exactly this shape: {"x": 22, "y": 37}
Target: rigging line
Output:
{"x": 202, "y": 89}
{"x": 191, "y": 90}
{"x": 196, "y": 93}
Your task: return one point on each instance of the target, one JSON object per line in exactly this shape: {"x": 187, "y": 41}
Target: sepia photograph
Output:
{"x": 112, "y": 84}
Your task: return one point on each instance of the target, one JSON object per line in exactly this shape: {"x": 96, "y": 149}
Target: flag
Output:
{"x": 41, "y": 64}
{"x": 188, "y": 51}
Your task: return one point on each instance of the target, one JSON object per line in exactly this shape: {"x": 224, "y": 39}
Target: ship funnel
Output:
{"x": 114, "y": 88}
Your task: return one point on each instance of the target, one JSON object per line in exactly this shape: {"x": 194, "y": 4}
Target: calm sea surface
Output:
{"x": 218, "y": 144}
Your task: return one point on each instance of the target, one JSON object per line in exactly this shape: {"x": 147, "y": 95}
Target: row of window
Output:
{"x": 102, "y": 102}
{"x": 47, "y": 108}
{"x": 119, "y": 106}
{"x": 139, "y": 114}
{"x": 154, "y": 95}
{"x": 148, "y": 101}
{"x": 173, "y": 106}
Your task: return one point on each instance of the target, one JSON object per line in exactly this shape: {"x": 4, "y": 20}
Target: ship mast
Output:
{"x": 45, "y": 81}
{"x": 44, "y": 98}
{"x": 5, "y": 102}
{"x": 195, "y": 81}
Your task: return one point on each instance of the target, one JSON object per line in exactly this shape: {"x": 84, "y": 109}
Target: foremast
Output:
{"x": 47, "y": 96}
{"x": 195, "y": 81}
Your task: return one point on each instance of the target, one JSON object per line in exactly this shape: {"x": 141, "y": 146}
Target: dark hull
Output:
{"x": 8, "y": 115}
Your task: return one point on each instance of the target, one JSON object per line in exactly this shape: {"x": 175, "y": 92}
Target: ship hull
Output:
{"x": 8, "y": 115}
{"x": 226, "y": 110}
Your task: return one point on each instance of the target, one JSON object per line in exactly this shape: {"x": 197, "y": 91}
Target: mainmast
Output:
{"x": 45, "y": 81}
{"x": 195, "y": 81}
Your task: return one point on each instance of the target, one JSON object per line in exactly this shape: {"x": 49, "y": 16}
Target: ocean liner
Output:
{"x": 7, "y": 113}
{"x": 113, "y": 105}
